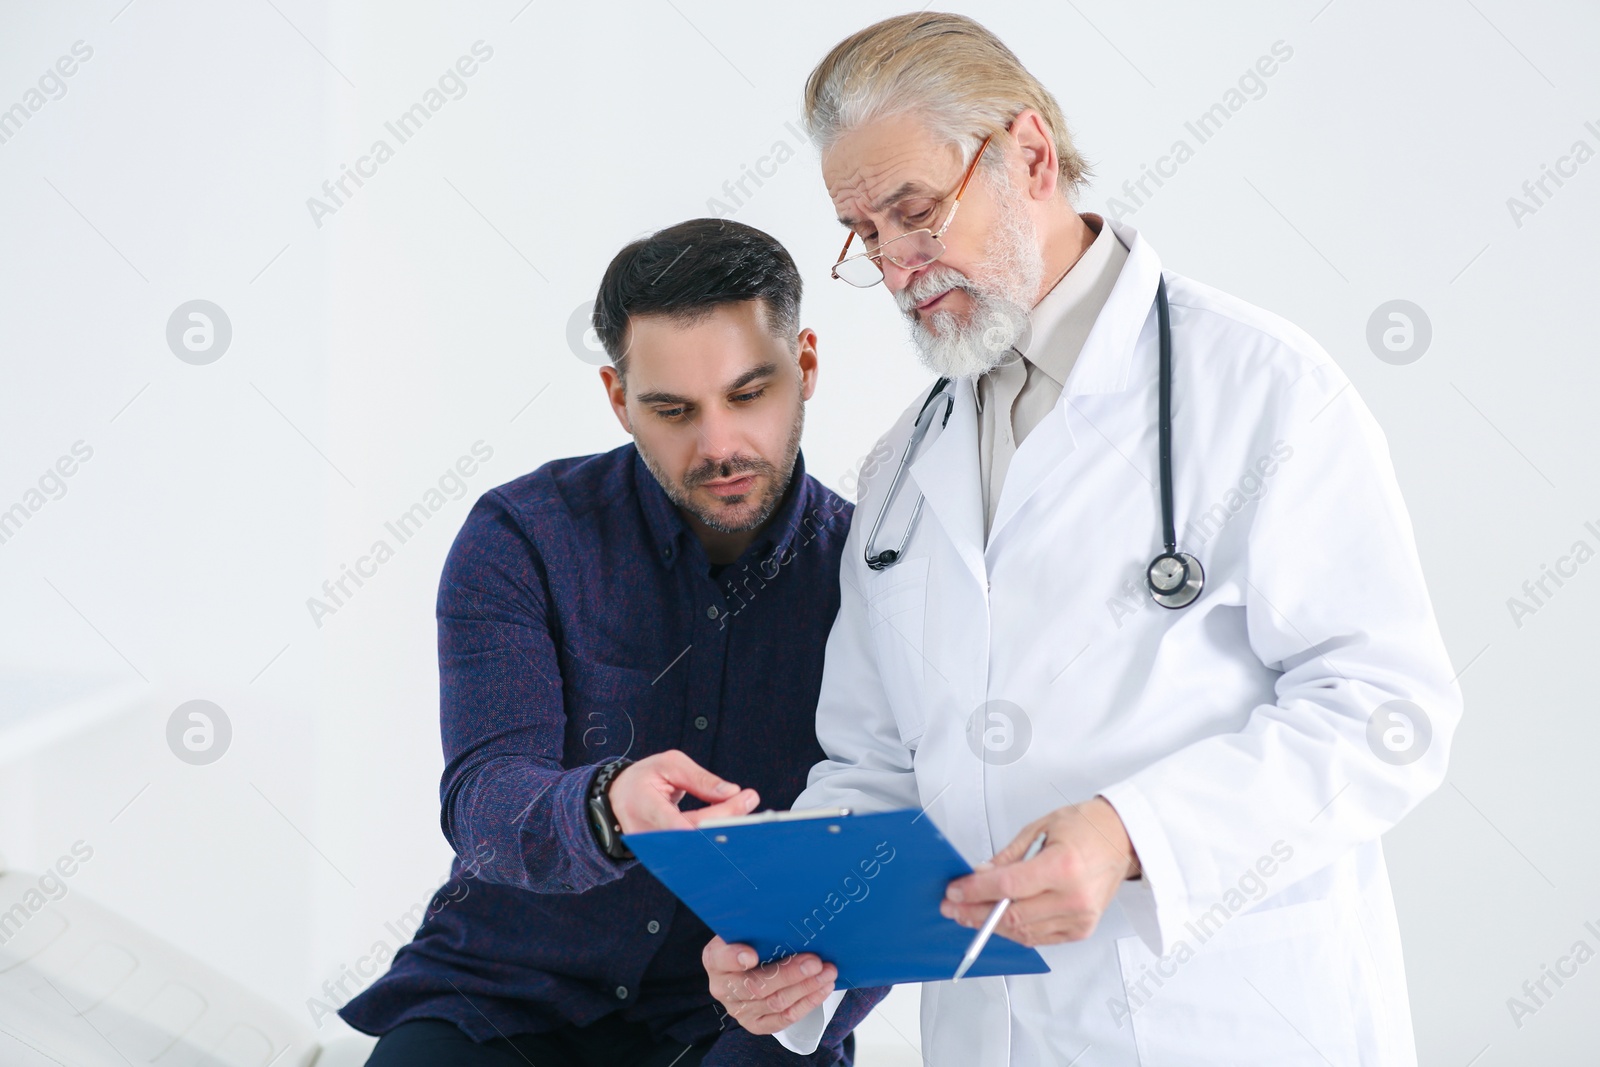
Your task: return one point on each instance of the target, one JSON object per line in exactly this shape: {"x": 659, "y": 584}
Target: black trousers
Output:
{"x": 608, "y": 1042}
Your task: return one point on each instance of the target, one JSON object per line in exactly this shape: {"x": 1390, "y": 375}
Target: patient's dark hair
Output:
{"x": 688, "y": 270}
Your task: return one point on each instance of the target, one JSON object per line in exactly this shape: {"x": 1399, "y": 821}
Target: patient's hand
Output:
{"x": 772, "y": 996}
{"x": 645, "y": 796}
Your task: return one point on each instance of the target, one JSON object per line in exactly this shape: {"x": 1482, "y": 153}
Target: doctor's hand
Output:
{"x": 770, "y": 997}
{"x": 646, "y": 794}
{"x": 1060, "y": 894}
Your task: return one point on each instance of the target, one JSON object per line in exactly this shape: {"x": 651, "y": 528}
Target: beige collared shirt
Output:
{"x": 1026, "y": 389}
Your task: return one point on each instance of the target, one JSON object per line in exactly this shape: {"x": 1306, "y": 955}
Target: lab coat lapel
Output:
{"x": 947, "y": 475}
{"x": 1105, "y": 365}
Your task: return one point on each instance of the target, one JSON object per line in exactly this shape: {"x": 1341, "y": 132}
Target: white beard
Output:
{"x": 1002, "y": 296}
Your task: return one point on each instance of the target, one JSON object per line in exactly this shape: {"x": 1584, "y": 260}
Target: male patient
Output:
{"x": 665, "y": 603}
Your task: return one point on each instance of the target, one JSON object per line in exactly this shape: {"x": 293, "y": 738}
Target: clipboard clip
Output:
{"x": 774, "y": 816}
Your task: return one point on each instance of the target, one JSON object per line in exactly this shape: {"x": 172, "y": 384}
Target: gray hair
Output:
{"x": 948, "y": 70}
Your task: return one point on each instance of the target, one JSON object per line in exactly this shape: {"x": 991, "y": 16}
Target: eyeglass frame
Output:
{"x": 938, "y": 236}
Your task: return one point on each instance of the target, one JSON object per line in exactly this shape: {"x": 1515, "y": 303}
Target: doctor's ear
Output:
{"x": 617, "y": 395}
{"x": 1038, "y": 148}
{"x": 805, "y": 357}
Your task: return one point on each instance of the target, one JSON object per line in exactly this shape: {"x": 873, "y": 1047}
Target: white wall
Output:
{"x": 371, "y": 350}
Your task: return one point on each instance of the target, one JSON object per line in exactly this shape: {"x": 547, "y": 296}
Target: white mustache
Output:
{"x": 931, "y": 284}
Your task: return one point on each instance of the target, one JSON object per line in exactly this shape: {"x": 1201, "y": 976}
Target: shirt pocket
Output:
{"x": 1267, "y": 988}
{"x": 896, "y": 606}
{"x": 607, "y": 710}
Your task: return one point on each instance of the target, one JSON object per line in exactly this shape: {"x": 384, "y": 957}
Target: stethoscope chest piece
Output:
{"x": 1175, "y": 579}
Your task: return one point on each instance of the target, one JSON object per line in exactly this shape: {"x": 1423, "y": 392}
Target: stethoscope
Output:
{"x": 1174, "y": 578}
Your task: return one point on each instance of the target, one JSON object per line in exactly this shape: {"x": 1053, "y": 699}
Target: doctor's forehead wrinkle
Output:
{"x": 908, "y": 164}
{"x": 905, "y": 189}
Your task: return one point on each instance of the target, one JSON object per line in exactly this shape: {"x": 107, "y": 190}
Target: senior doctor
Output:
{"x": 1213, "y": 778}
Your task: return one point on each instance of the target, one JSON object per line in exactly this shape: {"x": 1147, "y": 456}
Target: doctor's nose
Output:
{"x": 898, "y": 279}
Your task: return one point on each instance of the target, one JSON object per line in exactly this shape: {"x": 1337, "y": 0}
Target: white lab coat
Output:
{"x": 1231, "y": 736}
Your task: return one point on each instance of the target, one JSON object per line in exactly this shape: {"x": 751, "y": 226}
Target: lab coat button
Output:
{"x": 711, "y": 612}
{"x": 701, "y": 722}
{"x": 622, "y": 992}
{"x": 653, "y": 926}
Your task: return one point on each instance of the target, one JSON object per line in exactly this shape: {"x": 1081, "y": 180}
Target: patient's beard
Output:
{"x": 1002, "y": 294}
{"x": 779, "y": 478}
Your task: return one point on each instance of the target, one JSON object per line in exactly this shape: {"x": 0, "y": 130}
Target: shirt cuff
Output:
{"x": 586, "y": 865}
{"x": 1156, "y": 901}
{"x": 803, "y": 1035}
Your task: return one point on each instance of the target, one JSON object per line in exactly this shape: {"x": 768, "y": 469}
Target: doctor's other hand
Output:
{"x": 767, "y": 998}
{"x": 646, "y": 794}
{"x": 1060, "y": 894}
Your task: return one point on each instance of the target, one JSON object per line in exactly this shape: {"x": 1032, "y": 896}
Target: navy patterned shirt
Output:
{"x": 579, "y": 620}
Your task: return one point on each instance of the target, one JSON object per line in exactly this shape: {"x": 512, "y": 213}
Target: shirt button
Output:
{"x": 711, "y": 612}
{"x": 701, "y": 722}
{"x": 622, "y": 992}
{"x": 653, "y": 926}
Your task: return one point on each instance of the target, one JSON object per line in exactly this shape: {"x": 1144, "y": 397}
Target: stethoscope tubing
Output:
{"x": 1171, "y": 592}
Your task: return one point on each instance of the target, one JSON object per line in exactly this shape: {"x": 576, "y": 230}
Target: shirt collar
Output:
{"x": 1073, "y": 294}
{"x": 671, "y": 533}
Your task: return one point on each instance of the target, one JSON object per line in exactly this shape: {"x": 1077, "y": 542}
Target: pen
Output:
{"x": 993, "y": 920}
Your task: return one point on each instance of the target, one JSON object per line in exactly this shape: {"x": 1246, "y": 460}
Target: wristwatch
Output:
{"x": 602, "y": 820}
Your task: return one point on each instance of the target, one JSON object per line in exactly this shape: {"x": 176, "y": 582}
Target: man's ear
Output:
{"x": 617, "y": 394}
{"x": 806, "y": 357}
{"x": 1038, "y": 148}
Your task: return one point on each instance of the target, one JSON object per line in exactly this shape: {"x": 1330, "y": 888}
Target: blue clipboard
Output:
{"x": 860, "y": 891}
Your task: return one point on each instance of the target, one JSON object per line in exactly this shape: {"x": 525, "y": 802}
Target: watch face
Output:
{"x": 597, "y": 819}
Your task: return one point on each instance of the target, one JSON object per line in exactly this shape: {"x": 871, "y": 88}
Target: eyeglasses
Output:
{"x": 915, "y": 249}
